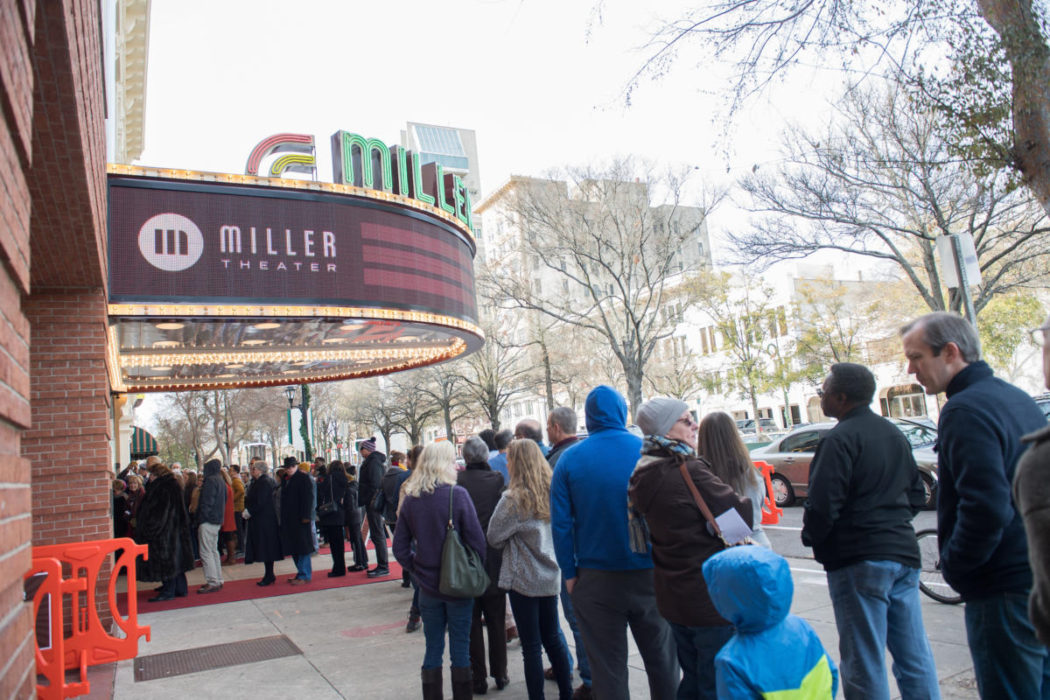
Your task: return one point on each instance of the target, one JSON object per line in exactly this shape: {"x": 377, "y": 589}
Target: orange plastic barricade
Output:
{"x": 89, "y": 643}
{"x": 771, "y": 512}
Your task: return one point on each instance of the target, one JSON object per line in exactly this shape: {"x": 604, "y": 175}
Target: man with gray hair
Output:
{"x": 984, "y": 555}
{"x": 561, "y": 431}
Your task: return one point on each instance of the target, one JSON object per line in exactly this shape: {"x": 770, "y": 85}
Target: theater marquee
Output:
{"x": 228, "y": 280}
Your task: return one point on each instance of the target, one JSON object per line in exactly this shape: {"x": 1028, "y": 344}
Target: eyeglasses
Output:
{"x": 687, "y": 421}
{"x": 1039, "y": 335}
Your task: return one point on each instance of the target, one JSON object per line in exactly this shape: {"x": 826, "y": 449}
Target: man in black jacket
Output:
{"x": 864, "y": 490}
{"x": 297, "y": 509}
{"x": 210, "y": 511}
{"x": 371, "y": 477}
{"x": 984, "y": 555}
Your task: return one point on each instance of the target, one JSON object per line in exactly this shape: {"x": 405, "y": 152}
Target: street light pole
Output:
{"x": 303, "y": 406}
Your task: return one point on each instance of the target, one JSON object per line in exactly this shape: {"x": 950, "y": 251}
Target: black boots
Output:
{"x": 462, "y": 683}
{"x": 462, "y": 680}
{"x": 432, "y": 685}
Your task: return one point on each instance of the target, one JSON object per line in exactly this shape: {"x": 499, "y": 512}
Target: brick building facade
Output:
{"x": 54, "y": 391}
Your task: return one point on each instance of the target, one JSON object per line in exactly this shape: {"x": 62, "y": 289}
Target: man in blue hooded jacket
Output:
{"x": 611, "y": 586}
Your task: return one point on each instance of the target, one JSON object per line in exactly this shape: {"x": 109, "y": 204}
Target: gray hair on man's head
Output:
{"x": 475, "y": 450}
{"x": 565, "y": 418}
{"x": 262, "y": 466}
{"x": 942, "y": 327}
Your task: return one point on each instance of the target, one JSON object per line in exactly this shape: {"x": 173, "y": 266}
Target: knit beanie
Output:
{"x": 657, "y": 416}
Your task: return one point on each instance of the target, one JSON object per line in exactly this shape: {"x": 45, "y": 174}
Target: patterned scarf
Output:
{"x": 657, "y": 445}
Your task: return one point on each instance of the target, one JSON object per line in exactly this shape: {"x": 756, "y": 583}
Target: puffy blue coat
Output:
{"x": 773, "y": 654}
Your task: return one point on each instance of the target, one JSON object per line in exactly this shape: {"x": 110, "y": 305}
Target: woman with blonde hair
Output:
{"x": 430, "y": 493}
{"x": 521, "y": 527}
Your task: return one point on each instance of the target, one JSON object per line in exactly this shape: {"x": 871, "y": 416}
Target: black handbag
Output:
{"x": 462, "y": 572}
{"x": 329, "y": 506}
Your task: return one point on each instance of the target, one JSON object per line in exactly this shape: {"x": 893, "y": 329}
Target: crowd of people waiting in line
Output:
{"x": 658, "y": 530}
{"x": 221, "y": 514}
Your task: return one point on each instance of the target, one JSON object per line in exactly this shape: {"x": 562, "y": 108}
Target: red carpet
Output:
{"x": 234, "y": 590}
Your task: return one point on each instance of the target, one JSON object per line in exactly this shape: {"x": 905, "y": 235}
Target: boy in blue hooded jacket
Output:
{"x": 752, "y": 588}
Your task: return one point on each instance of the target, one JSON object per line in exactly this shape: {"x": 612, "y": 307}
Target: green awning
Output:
{"x": 143, "y": 444}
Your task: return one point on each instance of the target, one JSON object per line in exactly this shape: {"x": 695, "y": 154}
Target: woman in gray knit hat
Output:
{"x": 681, "y": 541}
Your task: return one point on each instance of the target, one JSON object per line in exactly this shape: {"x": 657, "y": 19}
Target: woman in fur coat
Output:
{"x": 164, "y": 526}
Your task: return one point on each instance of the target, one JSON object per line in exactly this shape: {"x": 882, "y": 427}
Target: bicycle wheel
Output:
{"x": 930, "y": 580}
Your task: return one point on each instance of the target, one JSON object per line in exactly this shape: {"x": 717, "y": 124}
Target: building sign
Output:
{"x": 222, "y": 280}
{"x": 234, "y": 244}
{"x": 368, "y": 163}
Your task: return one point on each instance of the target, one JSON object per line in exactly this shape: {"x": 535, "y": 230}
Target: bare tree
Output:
{"x": 415, "y": 408}
{"x": 272, "y": 422}
{"x": 494, "y": 375}
{"x": 675, "y": 373}
{"x": 175, "y": 439}
{"x": 373, "y": 409}
{"x": 443, "y": 384}
{"x": 880, "y": 183}
{"x": 189, "y": 409}
{"x": 838, "y": 320}
{"x": 596, "y": 253}
{"x": 751, "y": 329}
{"x": 326, "y": 415}
{"x": 990, "y": 67}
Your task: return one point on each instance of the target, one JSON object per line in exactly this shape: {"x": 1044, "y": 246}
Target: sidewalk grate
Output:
{"x": 177, "y": 663}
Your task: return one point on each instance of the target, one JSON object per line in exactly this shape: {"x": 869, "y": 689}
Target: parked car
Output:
{"x": 747, "y": 425}
{"x": 792, "y": 454}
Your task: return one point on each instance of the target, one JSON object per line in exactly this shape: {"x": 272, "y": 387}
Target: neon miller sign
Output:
{"x": 371, "y": 164}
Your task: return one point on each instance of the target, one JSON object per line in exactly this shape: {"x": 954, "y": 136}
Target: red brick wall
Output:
{"x": 16, "y": 109}
{"x": 52, "y": 300}
{"x": 69, "y": 442}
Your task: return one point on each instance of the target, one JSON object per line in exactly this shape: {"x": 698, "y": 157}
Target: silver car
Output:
{"x": 791, "y": 455}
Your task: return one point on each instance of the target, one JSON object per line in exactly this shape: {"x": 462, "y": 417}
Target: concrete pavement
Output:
{"x": 353, "y": 640}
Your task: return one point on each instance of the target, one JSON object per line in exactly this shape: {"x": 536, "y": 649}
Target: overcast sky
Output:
{"x": 540, "y": 81}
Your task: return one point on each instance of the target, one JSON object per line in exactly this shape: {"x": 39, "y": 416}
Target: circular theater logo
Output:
{"x": 170, "y": 242}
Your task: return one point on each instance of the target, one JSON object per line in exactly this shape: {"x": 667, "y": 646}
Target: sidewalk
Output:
{"x": 351, "y": 642}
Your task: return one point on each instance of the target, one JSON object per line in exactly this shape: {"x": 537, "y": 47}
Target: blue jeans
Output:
{"x": 303, "y": 566}
{"x": 538, "y": 629}
{"x": 582, "y": 664}
{"x": 438, "y": 614}
{"x": 1007, "y": 658}
{"x": 697, "y": 649}
{"x": 877, "y": 607}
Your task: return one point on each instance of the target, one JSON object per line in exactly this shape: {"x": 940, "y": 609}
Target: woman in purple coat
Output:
{"x": 423, "y": 518}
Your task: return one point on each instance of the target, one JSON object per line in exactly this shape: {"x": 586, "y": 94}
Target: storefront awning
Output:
{"x": 143, "y": 444}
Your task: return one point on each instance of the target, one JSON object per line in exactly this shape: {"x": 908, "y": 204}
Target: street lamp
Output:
{"x": 289, "y": 393}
